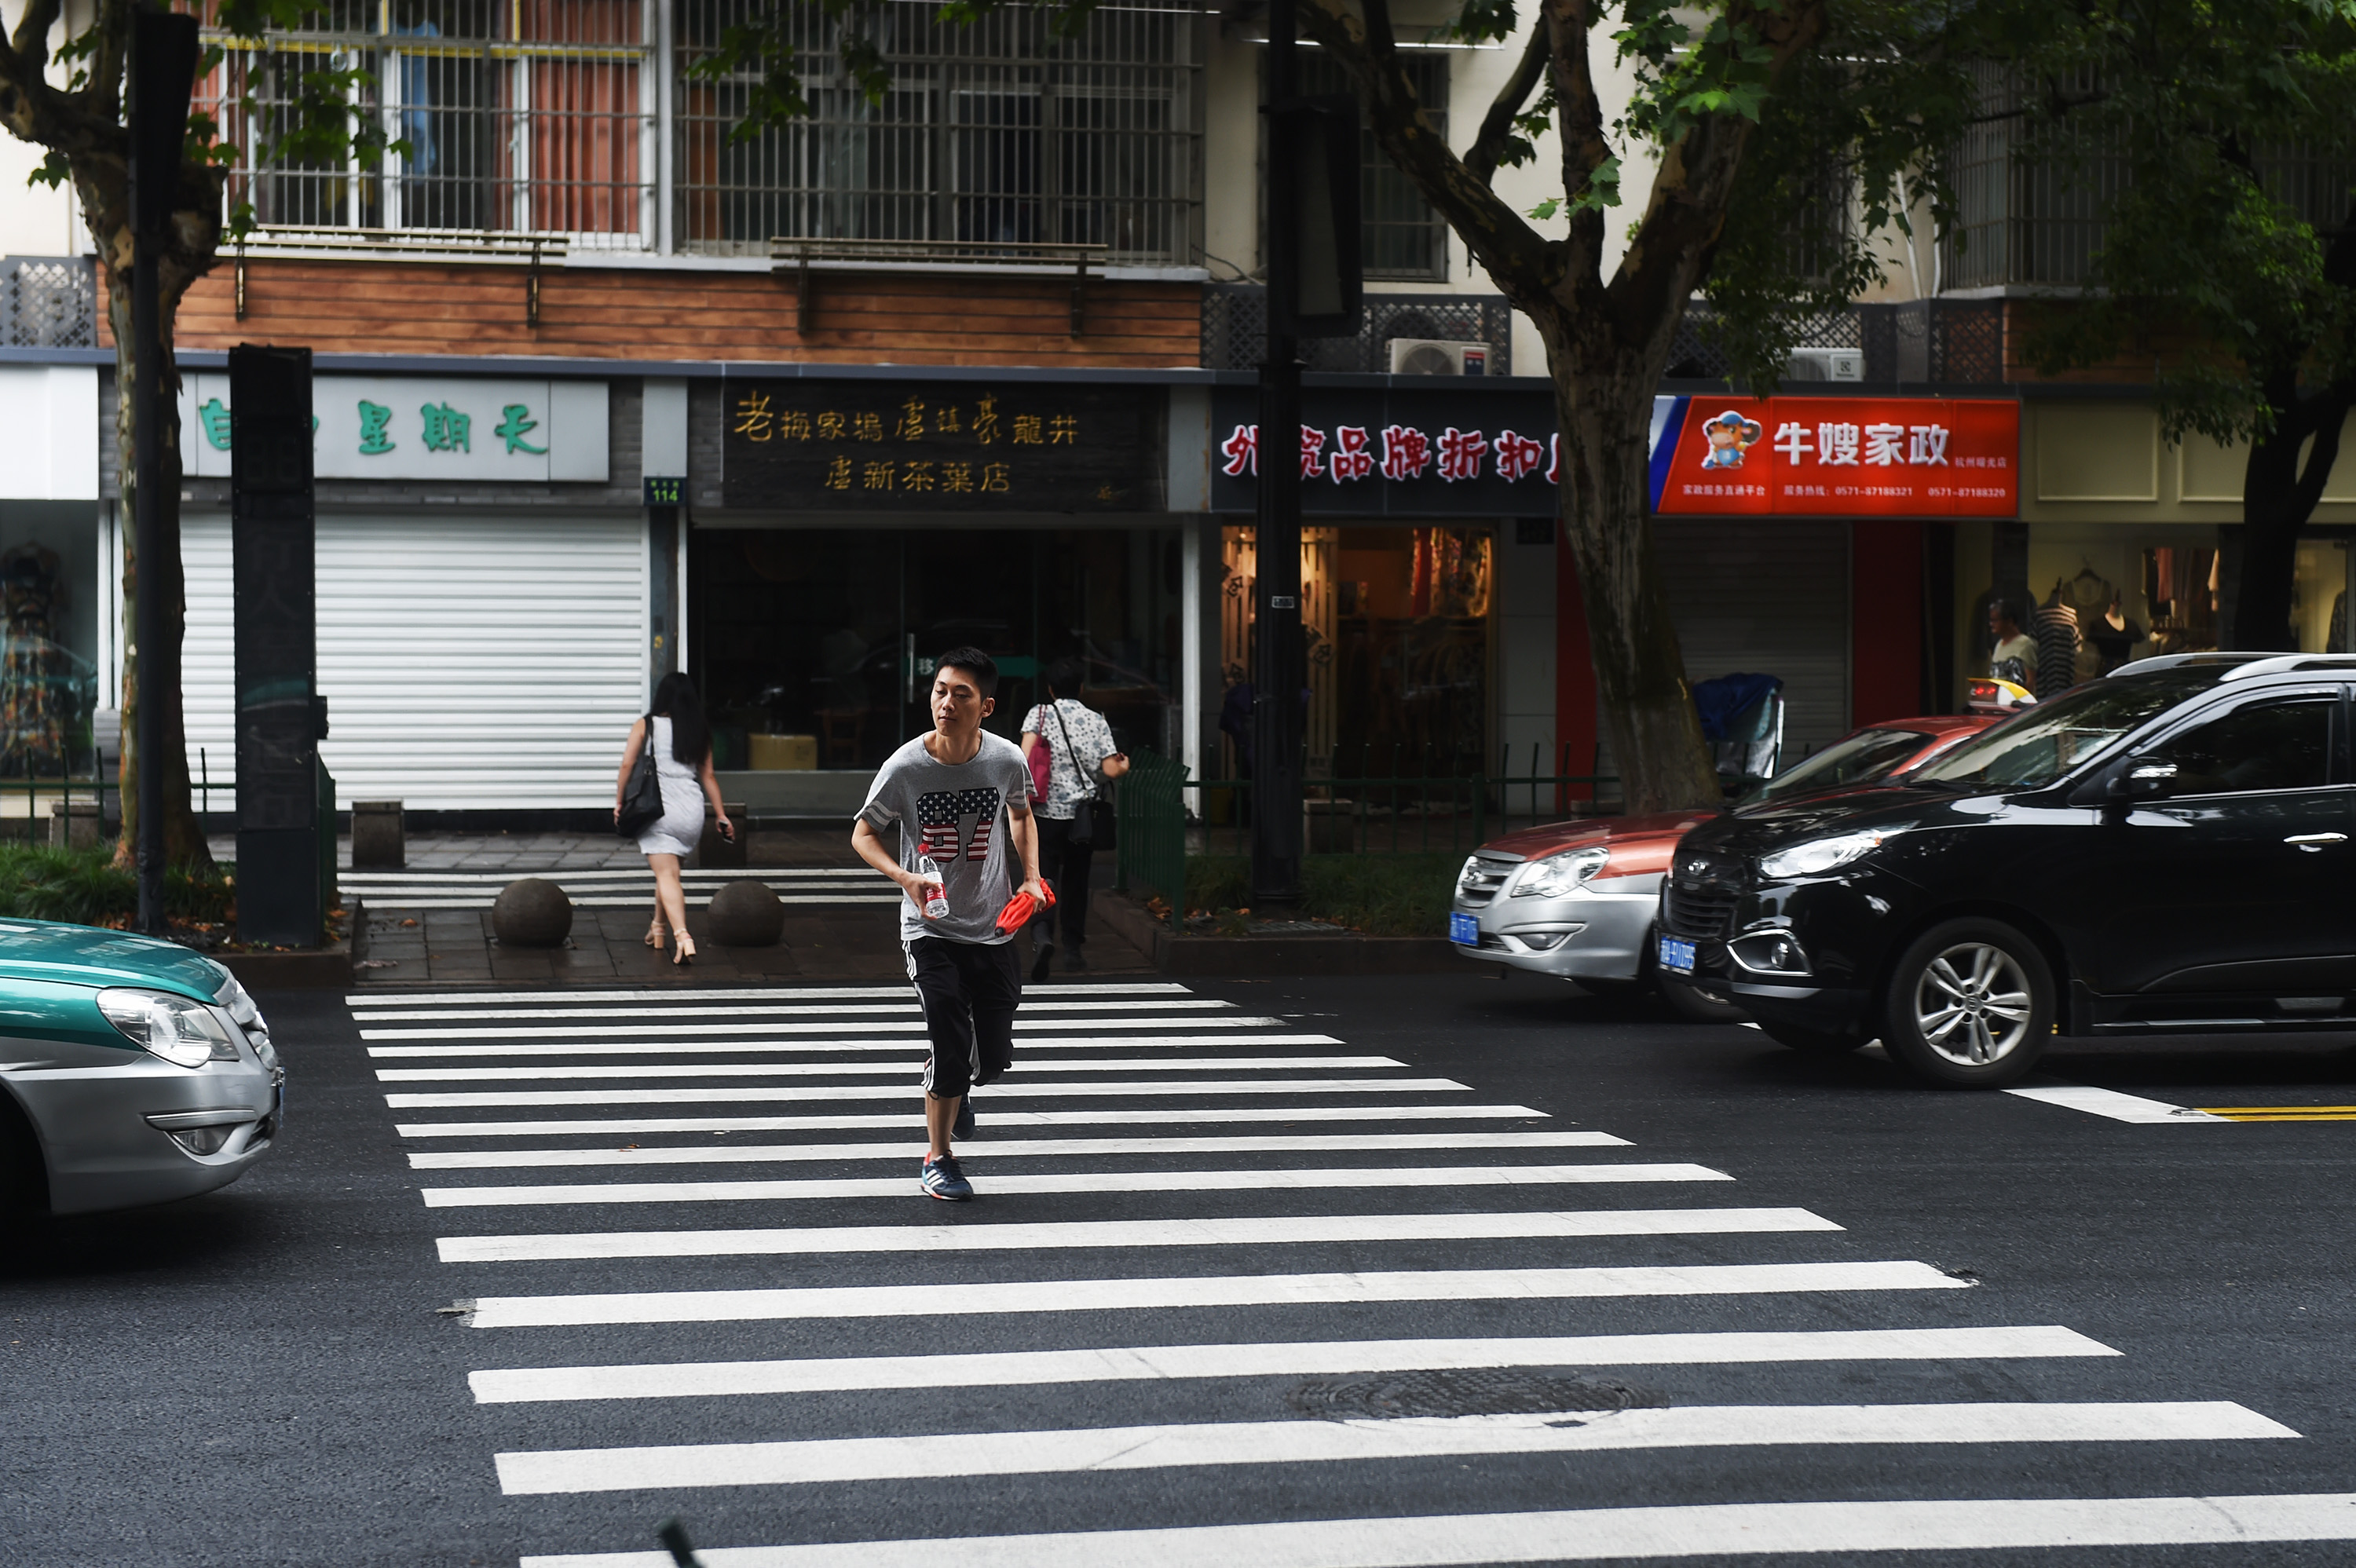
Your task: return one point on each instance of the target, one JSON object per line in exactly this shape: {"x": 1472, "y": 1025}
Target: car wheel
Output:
{"x": 1810, "y": 1041}
{"x": 1970, "y": 1005}
{"x": 1697, "y": 1007}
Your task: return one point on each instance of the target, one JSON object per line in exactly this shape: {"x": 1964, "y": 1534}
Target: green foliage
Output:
{"x": 766, "y": 50}
{"x": 1380, "y": 895}
{"x": 86, "y": 888}
{"x": 2186, "y": 114}
{"x": 323, "y": 121}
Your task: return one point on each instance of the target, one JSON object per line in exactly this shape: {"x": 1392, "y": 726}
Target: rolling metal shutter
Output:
{"x": 1766, "y": 597}
{"x": 468, "y": 662}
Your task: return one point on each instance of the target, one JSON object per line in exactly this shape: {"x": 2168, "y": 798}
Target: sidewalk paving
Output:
{"x": 852, "y": 943}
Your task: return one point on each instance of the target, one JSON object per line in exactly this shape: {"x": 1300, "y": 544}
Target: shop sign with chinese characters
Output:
{"x": 878, "y": 446}
{"x": 1887, "y": 457}
{"x": 401, "y": 427}
{"x": 1416, "y": 453}
{"x": 1411, "y": 453}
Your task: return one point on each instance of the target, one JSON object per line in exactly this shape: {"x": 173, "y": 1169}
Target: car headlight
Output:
{"x": 182, "y": 1033}
{"x": 1559, "y": 874}
{"x": 1820, "y": 855}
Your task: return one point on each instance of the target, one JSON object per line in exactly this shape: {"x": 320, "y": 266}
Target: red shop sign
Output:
{"x": 1873, "y": 457}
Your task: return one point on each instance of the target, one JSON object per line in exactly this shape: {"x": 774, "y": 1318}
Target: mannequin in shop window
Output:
{"x": 36, "y": 678}
{"x": 2057, "y": 645}
{"x": 2113, "y": 637}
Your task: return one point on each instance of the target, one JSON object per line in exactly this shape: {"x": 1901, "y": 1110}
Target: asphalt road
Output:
{"x": 271, "y": 1375}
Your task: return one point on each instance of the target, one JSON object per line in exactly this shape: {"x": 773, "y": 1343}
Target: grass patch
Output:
{"x": 1381, "y": 895}
{"x": 85, "y": 887}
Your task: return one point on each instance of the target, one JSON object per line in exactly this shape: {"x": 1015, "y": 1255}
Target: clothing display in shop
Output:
{"x": 2113, "y": 637}
{"x": 1451, "y": 575}
{"x": 2057, "y": 645}
{"x": 37, "y": 676}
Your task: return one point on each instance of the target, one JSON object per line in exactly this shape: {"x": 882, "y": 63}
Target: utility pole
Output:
{"x": 163, "y": 51}
{"x": 1277, "y": 652}
{"x": 1313, "y": 292}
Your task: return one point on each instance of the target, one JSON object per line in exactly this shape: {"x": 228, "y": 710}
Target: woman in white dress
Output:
{"x": 682, "y": 745}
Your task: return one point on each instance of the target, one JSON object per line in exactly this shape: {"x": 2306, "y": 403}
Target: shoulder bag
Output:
{"x": 642, "y": 801}
{"x": 1092, "y": 820}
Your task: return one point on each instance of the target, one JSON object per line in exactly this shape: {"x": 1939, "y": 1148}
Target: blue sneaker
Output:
{"x": 943, "y": 1180}
{"x": 963, "y": 1127}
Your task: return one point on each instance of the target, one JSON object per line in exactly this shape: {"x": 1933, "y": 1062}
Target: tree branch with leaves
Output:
{"x": 79, "y": 121}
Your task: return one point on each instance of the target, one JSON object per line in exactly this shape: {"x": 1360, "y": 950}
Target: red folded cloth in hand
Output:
{"x": 1022, "y": 907}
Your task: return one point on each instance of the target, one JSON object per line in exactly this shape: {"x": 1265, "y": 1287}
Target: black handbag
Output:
{"x": 1093, "y": 824}
{"x": 642, "y": 801}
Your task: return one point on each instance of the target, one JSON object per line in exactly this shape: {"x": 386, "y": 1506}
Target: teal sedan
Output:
{"x": 132, "y": 1071}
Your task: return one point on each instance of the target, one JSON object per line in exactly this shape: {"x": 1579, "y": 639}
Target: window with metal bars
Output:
{"x": 2029, "y": 219}
{"x": 1400, "y": 235}
{"x": 996, "y": 132}
{"x": 523, "y": 115}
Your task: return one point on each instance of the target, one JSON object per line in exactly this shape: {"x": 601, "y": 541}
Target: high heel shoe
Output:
{"x": 686, "y": 943}
{"x": 655, "y": 936}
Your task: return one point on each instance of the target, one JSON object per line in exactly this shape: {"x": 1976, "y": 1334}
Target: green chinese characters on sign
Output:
{"x": 447, "y": 430}
{"x": 514, "y": 425}
{"x": 375, "y": 417}
{"x": 214, "y": 417}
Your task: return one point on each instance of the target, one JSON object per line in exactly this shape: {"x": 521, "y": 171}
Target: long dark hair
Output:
{"x": 690, "y": 732}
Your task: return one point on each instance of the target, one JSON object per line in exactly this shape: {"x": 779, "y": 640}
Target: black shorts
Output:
{"x": 970, "y": 992}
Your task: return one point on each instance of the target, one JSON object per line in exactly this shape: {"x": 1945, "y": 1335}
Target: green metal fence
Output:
{"x": 1404, "y": 812}
{"x": 28, "y": 807}
{"x": 1150, "y": 806}
{"x": 1398, "y": 813}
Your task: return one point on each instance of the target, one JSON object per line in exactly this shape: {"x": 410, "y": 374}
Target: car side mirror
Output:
{"x": 2142, "y": 781}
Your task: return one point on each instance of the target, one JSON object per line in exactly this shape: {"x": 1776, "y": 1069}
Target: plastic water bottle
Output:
{"x": 936, "y": 897}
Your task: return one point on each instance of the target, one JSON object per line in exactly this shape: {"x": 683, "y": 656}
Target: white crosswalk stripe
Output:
{"x": 1326, "y": 1180}
{"x": 896, "y": 1046}
{"x": 858, "y": 1069}
{"x": 1123, "y": 1115}
{"x": 1016, "y": 1149}
{"x": 1202, "y": 1291}
{"x": 1104, "y": 1448}
{"x": 1049, "y": 1235}
{"x": 1470, "y": 1211}
{"x": 1586, "y": 1535}
{"x": 1016, "y": 1369}
{"x": 1051, "y": 1089}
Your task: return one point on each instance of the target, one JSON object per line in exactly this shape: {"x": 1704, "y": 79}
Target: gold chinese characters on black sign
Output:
{"x": 873, "y": 446}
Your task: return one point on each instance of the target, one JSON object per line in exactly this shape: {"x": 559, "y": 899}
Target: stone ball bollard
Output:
{"x": 532, "y": 912}
{"x": 746, "y": 914}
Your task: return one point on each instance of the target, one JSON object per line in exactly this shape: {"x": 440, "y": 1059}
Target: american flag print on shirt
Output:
{"x": 942, "y": 820}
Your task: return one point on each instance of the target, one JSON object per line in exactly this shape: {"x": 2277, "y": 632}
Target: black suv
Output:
{"x": 2164, "y": 849}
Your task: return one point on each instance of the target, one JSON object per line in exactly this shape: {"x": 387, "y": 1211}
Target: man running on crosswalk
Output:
{"x": 959, "y": 795}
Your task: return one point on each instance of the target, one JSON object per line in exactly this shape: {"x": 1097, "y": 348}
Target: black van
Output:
{"x": 2164, "y": 849}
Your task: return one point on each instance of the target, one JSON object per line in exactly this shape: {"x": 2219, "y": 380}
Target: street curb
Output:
{"x": 1253, "y": 957}
{"x": 328, "y": 968}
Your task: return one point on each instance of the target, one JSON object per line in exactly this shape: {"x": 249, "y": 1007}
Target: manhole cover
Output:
{"x": 1478, "y": 1391}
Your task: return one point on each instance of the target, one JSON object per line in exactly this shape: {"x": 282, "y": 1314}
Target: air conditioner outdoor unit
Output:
{"x": 1825, "y": 364}
{"x": 1432, "y": 357}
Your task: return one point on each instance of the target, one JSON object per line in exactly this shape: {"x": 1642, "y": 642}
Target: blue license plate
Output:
{"x": 1464, "y": 930}
{"x": 1676, "y": 955}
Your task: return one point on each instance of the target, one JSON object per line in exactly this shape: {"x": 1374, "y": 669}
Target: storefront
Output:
{"x": 1444, "y": 625}
{"x": 2125, "y": 546}
{"x": 861, "y": 528}
{"x": 53, "y": 586}
{"x": 486, "y": 588}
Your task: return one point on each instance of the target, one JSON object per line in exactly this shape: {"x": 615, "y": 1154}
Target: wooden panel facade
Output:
{"x": 406, "y": 307}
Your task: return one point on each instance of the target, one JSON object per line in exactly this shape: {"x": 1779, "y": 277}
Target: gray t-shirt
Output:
{"x": 957, "y": 814}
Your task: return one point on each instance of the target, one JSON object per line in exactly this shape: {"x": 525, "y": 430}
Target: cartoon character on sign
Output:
{"x": 1730, "y": 435}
